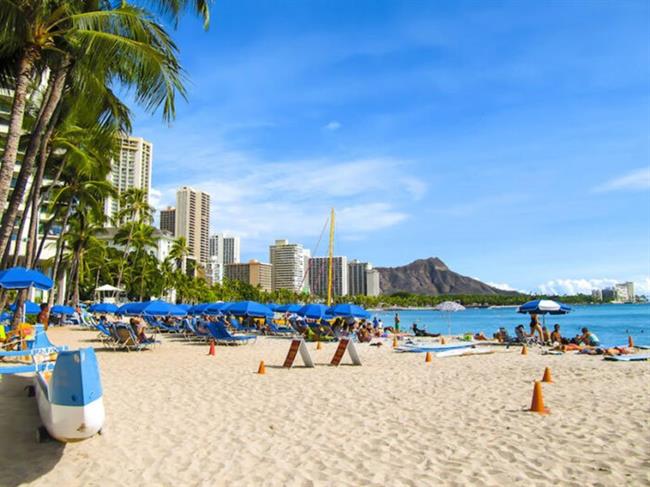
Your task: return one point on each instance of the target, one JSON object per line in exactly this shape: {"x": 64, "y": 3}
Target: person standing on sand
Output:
{"x": 44, "y": 316}
{"x": 396, "y": 322}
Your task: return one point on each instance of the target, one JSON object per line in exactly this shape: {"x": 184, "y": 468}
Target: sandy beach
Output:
{"x": 176, "y": 416}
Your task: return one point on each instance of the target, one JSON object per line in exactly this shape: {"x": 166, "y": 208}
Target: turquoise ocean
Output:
{"x": 611, "y": 322}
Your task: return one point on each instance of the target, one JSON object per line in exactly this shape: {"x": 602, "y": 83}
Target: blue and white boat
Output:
{"x": 70, "y": 397}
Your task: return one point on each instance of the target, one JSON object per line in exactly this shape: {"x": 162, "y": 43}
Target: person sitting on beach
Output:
{"x": 138, "y": 327}
{"x": 44, "y": 316}
{"x": 520, "y": 334}
{"x": 588, "y": 338}
{"x": 420, "y": 332}
{"x": 546, "y": 335}
{"x": 364, "y": 335}
{"x": 556, "y": 337}
{"x": 480, "y": 336}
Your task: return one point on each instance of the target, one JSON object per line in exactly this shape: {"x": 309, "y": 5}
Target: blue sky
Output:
{"x": 510, "y": 139}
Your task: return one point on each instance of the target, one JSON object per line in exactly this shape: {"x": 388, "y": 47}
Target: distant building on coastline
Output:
{"x": 624, "y": 292}
{"x": 131, "y": 170}
{"x": 363, "y": 280}
{"x": 168, "y": 220}
{"x": 193, "y": 221}
{"x": 597, "y": 295}
{"x": 319, "y": 276}
{"x": 253, "y": 272}
{"x": 223, "y": 250}
{"x": 288, "y": 266}
{"x": 608, "y": 294}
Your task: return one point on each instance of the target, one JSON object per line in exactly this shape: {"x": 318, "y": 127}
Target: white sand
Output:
{"x": 176, "y": 416}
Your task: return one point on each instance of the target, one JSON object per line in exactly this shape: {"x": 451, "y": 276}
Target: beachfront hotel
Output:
{"x": 131, "y": 170}
{"x": 223, "y": 250}
{"x": 363, "y": 280}
{"x": 253, "y": 272}
{"x": 319, "y": 274}
{"x": 289, "y": 262}
{"x": 168, "y": 220}
{"x": 193, "y": 221}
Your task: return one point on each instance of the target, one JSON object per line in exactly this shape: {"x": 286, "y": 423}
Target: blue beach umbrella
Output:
{"x": 61, "y": 309}
{"x": 214, "y": 308}
{"x": 314, "y": 311}
{"x": 103, "y": 308}
{"x": 543, "y": 307}
{"x": 288, "y": 308}
{"x": 153, "y": 308}
{"x": 247, "y": 308}
{"x": 31, "y": 308}
{"x": 21, "y": 278}
{"x": 184, "y": 307}
{"x": 348, "y": 310}
{"x": 198, "y": 309}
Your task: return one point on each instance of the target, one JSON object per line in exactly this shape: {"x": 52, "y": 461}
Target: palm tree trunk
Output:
{"x": 51, "y": 103}
{"x": 50, "y": 222}
{"x": 120, "y": 274}
{"x": 20, "y": 302}
{"x": 59, "y": 252}
{"x": 37, "y": 183}
{"x": 23, "y": 76}
{"x": 77, "y": 278}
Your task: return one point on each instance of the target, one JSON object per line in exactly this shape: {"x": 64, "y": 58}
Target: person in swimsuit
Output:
{"x": 589, "y": 338}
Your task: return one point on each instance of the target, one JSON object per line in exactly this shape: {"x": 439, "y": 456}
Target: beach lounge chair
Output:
{"x": 220, "y": 334}
{"x": 197, "y": 334}
{"x": 280, "y": 330}
{"x": 128, "y": 340}
{"x": 106, "y": 334}
{"x": 237, "y": 326}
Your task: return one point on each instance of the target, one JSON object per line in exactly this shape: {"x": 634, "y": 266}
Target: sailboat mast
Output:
{"x": 331, "y": 258}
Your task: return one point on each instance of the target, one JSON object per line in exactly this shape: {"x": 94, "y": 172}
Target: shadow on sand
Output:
{"x": 22, "y": 458}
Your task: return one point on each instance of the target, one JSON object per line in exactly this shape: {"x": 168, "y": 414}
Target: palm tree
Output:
{"x": 122, "y": 43}
{"x": 134, "y": 208}
{"x": 179, "y": 252}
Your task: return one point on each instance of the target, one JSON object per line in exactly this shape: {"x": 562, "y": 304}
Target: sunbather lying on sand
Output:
{"x": 420, "y": 332}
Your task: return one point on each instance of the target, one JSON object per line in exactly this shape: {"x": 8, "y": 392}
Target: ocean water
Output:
{"x": 611, "y": 322}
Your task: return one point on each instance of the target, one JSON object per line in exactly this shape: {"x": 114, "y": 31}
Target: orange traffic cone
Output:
{"x": 318, "y": 345}
{"x": 630, "y": 342}
{"x": 212, "y": 350}
{"x": 537, "y": 406}
{"x": 443, "y": 341}
{"x": 427, "y": 358}
{"x": 524, "y": 350}
{"x": 262, "y": 368}
{"x": 395, "y": 342}
{"x": 547, "y": 376}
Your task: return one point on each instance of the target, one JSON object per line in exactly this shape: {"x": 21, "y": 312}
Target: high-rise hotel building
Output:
{"x": 288, "y": 266}
{"x": 193, "y": 222}
{"x": 131, "y": 170}
{"x": 224, "y": 250}
{"x": 319, "y": 276}
{"x": 168, "y": 220}
{"x": 363, "y": 280}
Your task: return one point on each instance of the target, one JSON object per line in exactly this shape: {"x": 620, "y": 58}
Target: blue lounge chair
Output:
{"x": 220, "y": 334}
{"x": 236, "y": 325}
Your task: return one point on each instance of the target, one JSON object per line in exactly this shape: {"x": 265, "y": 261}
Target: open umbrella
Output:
{"x": 543, "y": 307}
{"x": 247, "y": 308}
{"x": 61, "y": 309}
{"x": 31, "y": 308}
{"x": 348, "y": 310}
{"x": 198, "y": 309}
{"x": 314, "y": 311}
{"x": 449, "y": 307}
{"x": 151, "y": 308}
{"x": 103, "y": 308}
{"x": 288, "y": 308}
{"x": 21, "y": 278}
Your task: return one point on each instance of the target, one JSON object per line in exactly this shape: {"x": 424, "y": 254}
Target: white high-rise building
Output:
{"x": 624, "y": 292}
{"x": 131, "y": 170}
{"x": 288, "y": 261}
{"x": 319, "y": 276}
{"x": 193, "y": 221}
{"x": 363, "y": 280}
{"x": 372, "y": 280}
{"x": 223, "y": 250}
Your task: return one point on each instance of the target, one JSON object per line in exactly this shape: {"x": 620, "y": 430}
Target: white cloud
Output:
{"x": 634, "y": 180}
{"x": 154, "y": 197}
{"x": 585, "y": 286}
{"x": 333, "y": 126}
{"x": 503, "y": 286}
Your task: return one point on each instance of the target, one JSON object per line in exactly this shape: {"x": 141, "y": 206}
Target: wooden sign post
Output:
{"x": 298, "y": 346}
{"x": 346, "y": 344}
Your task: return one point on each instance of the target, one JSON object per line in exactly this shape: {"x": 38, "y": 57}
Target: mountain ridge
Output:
{"x": 432, "y": 277}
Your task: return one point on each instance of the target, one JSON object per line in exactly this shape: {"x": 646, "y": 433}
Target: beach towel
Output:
{"x": 627, "y": 358}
